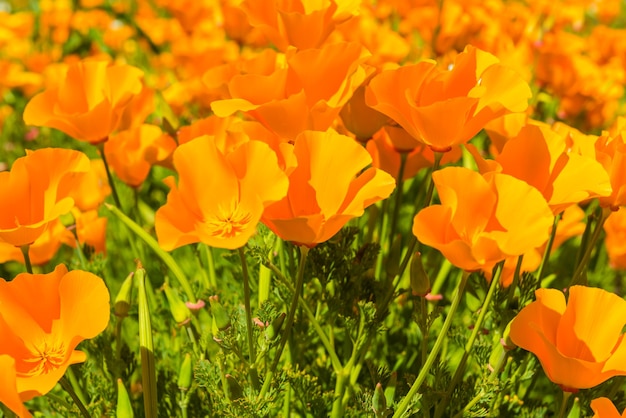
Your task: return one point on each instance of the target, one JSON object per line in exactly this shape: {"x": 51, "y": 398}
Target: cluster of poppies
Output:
{"x": 306, "y": 135}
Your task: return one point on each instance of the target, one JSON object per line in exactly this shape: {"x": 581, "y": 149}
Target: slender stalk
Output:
{"x": 312, "y": 318}
{"x": 398, "y": 200}
{"x": 67, "y": 386}
{"x": 167, "y": 258}
{"x": 431, "y": 184}
{"x": 304, "y": 251}
{"x": 577, "y": 277}
{"x": 564, "y": 402}
{"x": 27, "y": 263}
{"x": 548, "y": 250}
{"x": 470, "y": 343}
{"x": 404, "y": 405}
{"x": 116, "y": 197}
{"x": 208, "y": 255}
{"x": 254, "y": 377}
{"x": 516, "y": 279}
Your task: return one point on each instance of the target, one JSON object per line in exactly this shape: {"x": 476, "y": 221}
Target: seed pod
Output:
{"x": 185, "y": 374}
{"x": 179, "y": 310}
{"x": 124, "y": 407}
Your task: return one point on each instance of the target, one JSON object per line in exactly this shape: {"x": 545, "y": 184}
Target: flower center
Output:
{"x": 230, "y": 224}
{"x": 46, "y": 356}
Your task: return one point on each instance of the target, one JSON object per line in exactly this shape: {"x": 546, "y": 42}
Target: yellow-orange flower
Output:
{"x": 220, "y": 196}
{"x": 611, "y": 153}
{"x": 42, "y": 320}
{"x": 133, "y": 152}
{"x": 301, "y": 23}
{"x": 307, "y": 95}
{"x": 326, "y": 189}
{"x": 9, "y": 395}
{"x": 483, "y": 219}
{"x": 476, "y": 90}
{"x": 35, "y": 192}
{"x": 576, "y": 348}
{"x": 88, "y": 100}
{"x": 615, "y": 228}
{"x": 542, "y": 158}
{"x": 604, "y": 408}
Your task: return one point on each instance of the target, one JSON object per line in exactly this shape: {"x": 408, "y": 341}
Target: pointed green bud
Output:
{"x": 390, "y": 390}
{"x": 179, "y": 310}
{"x": 234, "y": 389}
{"x": 273, "y": 331}
{"x": 124, "y": 407}
{"x": 393, "y": 259}
{"x": 221, "y": 318}
{"x": 124, "y": 297}
{"x": 420, "y": 283}
{"x": 379, "y": 403}
{"x": 185, "y": 374}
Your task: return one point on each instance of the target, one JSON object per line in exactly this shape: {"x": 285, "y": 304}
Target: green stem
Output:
{"x": 577, "y": 278}
{"x": 116, "y": 197}
{"x": 304, "y": 251}
{"x": 548, "y": 250}
{"x": 208, "y": 255}
{"x": 75, "y": 385}
{"x": 470, "y": 343}
{"x": 406, "y": 401}
{"x": 67, "y": 386}
{"x": 27, "y": 263}
{"x": 167, "y": 258}
{"x": 398, "y": 200}
{"x": 254, "y": 377}
{"x": 516, "y": 279}
{"x": 564, "y": 402}
{"x": 311, "y": 316}
{"x": 431, "y": 184}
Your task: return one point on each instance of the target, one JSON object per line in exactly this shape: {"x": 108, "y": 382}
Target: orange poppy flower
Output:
{"x": 611, "y": 153}
{"x": 9, "y": 395}
{"x": 615, "y": 228}
{"x": 575, "y": 348}
{"x": 388, "y": 158}
{"x": 326, "y": 189}
{"x": 542, "y": 158}
{"x": 35, "y": 192}
{"x": 220, "y": 196}
{"x": 88, "y": 101}
{"x": 308, "y": 94}
{"x": 604, "y": 408}
{"x": 92, "y": 188}
{"x": 43, "y": 249}
{"x": 476, "y": 90}
{"x": 302, "y": 23}
{"x": 132, "y": 153}
{"x": 483, "y": 219}
{"x": 44, "y": 317}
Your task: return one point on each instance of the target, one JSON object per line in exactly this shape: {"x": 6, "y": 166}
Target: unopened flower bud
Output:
{"x": 273, "y": 330}
{"x": 185, "y": 374}
{"x": 124, "y": 407}
{"x": 179, "y": 310}
{"x": 379, "y": 403}
{"x": 420, "y": 283}
{"x": 220, "y": 316}
{"x": 123, "y": 298}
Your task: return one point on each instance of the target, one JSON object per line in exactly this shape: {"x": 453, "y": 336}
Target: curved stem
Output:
{"x": 398, "y": 200}
{"x": 403, "y": 406}
{"x": 563, "y": 408}
{"x": 311, "y": 316}
{"x": 577, "y": 278}
{"x": 470, "y": 343}
{"x": 27, "y": 263}
{"x": 304, "y": 251}
{"x": 116, "y": 197}
{"x": 254, "y": 377}
{"x": 67, "y": 386}
{"x": 548, "y": 250}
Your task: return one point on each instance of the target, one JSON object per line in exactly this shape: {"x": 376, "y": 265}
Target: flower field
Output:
{"x": 311, "y": 208}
